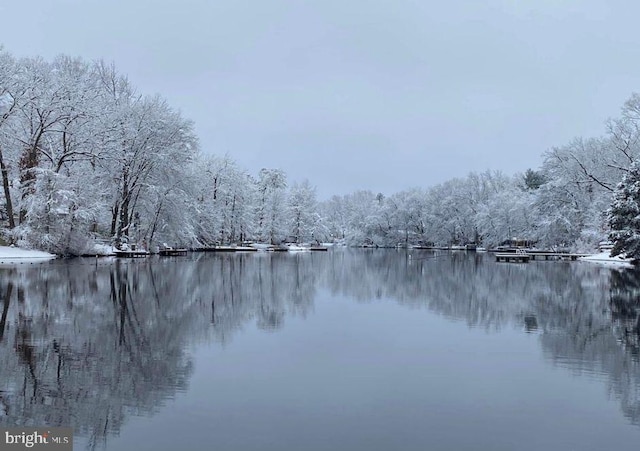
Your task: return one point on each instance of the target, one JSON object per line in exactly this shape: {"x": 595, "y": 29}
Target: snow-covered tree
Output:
{"x": 334, "y": 217}
{"x": 303, "y": 218}
{"x": 533, "y": 180}
{"x": 508, "y": 213}
{"x": 624, "y": 215}
{"x": 225, "y": 196}
{"x": 270, "y": 205}
{"x": 11, "y": 101}
{"x": 365, "y": 225}
{"x": 82, "y": 156}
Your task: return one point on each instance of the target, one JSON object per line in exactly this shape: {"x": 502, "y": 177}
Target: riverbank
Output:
{"x": 16, "y": 255}
{"x": 605, "y": 258}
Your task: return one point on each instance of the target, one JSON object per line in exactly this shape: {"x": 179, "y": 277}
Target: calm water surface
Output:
{"x": 344, "y": 350}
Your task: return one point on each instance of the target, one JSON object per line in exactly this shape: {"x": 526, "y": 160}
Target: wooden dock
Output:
{"x": 225, "y": 249}
{"x": 131, "y": 254}
{"x": 522, "y": 256}
{"x": 270, "y": 248}
{"x": 518, "y": 257}
{"x": 537, "y": 255}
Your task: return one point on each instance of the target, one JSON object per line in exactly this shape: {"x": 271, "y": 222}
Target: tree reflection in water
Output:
{"x": 86, "y": 343}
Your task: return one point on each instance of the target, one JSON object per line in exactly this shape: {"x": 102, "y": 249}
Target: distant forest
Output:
{"x": 85, "y": 159}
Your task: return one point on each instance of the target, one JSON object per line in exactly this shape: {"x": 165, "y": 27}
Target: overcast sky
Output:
{"x": 360, "y": 94}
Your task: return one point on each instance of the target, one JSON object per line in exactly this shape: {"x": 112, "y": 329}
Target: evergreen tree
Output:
{"x": 624, "y": 215}
{"x": 533, "y": 179}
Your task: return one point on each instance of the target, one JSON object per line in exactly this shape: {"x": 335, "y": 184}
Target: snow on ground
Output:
{"x": 16, "y": 255}
{"x": 101, "y": 249}
{"x": 261, "y": 246}
{"x": 605, "y": 258}
{"x": 296, "y": 248}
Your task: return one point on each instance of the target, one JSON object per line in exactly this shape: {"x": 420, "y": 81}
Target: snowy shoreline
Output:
{"x": 605, "y": 258}
{"x": 16, "y": 255}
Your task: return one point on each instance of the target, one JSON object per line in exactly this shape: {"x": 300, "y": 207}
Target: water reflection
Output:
{"x": 84, "y": 346}
{"x": 87, "y": 343}
{"x": 472, "y": 288}
{"x": 264, "y": 287}
{"x": 588, "y": 316}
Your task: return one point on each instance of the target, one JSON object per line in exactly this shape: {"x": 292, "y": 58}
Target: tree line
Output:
{"x": 585, "y": 192}
{"x": 85, "y": 157}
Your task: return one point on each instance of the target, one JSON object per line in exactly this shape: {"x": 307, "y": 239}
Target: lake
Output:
{"x": 339, "y": 350}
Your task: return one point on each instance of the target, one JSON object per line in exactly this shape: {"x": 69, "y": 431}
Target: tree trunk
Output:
{"x": 7, "y": 193}
{"x": 155, "y": 222}
{"x": 29, "y": 160}
{"x": 123, "y": 228}
{"x": 115, "y": 210}
{"x": 124, "y": 218}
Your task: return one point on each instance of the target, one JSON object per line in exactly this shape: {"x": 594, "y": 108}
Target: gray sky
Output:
{"x": 360, "y": 94}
